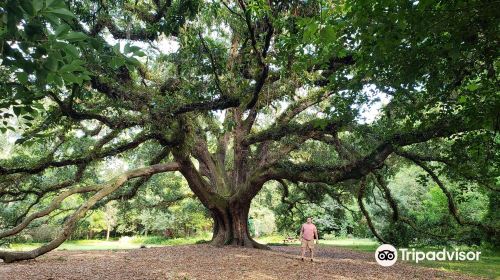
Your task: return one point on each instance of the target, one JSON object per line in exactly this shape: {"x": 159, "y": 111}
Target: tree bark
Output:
{"x": 107, "y": 233}
{"x": 227, "y": 195}
{"x": 231, "y": 226}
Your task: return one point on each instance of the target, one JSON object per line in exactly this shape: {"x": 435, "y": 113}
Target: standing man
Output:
{"x": 308, "y": 233}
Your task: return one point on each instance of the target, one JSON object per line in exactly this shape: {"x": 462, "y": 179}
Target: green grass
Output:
{"x": 487, "y": 266}
{"x": 156, "y": 240}
{"x": 79, "y": 245}
{"x": 125, "y": 243}
{"x": 361, "y": 244}
{"x": 364, "y": 244}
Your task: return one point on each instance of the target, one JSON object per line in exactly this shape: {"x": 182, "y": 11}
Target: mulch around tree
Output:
{"x": 207, "y": 262}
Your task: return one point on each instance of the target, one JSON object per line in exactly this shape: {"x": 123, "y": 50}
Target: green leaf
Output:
{"x": 37, "y": 5}
{"x": 51, "y": 77}
{"x": 53, "y": 19}
{"x": 309, "y": 31}
{"x": 51, "y": 63}
{"x": 62, "y": 30}
{"x": 61, "y": 13}
{"x": 342, "y": 53}
{"x": 116, "y": 48}
{"x": 320, "y": 123}
{"x": 75, "y": 36}
{"x": 131, "y": 49}
{"x": 96, "y": 44}
{"x": 55, "y": 4}
{"x": 17, "y": 110}
{"x": 75, "y": 65}
{"x": 116, "y": 62}
{"x": 22, "y": 77}
{"x": 71, "y": 50}
{"x": 54, "y": 78}
{"x": 328, "y": 34}
{"x": 85, "y": 77}
{"x": 230, "y": 124}
{"x": 39, "y": 106}
{"x": 133, "y": 61}
{"x": 473, "y": 86}
{"x": 69, "y": 78}
{"x": 28, "y": 7}
{"x": 28, "y": 67}
{"x": 41, "y": 76}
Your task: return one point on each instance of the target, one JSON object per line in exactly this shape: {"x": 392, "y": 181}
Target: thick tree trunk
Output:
{"x": 231, "y": 226}
{"x": 230, "y": 215}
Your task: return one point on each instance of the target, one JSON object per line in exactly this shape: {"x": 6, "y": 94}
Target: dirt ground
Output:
{"x": 207, "y": 262}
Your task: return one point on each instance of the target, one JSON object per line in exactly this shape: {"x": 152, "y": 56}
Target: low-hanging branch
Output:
{"x": 356, "y": 169}
{"x": 387, "y": 195}
{"x": 114, "y": 123}
{"x": 397, "y": 216}
{"x": 55, "y": 203}
{"x": 102, "y": 190}
{"x": 361, "y": 193}
{"x": 18, "y": 194}
{"x": 482, "y": 180}
{"x": 96, "y": 153}
{"x": 132, "y": 191}
{"x": 452, "y": 207}
{"x": 280, "y": 131}
{"x": 76, "y": 179}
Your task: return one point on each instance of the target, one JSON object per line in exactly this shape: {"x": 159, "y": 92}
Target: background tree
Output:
{"x": 247, "y": 93}
{"x": 110, "y": 218}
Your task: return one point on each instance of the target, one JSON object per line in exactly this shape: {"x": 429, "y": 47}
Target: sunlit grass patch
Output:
{"x": 122, "y": 243}
{"x": 362, "y": 244}
{"x": 157, "y": 240}
{"x": 77, "y": 245}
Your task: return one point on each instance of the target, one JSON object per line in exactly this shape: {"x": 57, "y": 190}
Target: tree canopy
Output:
{"x": 235, "y": 94}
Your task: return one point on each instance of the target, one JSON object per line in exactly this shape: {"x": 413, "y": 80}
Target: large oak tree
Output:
{"x": 231, "y": 93}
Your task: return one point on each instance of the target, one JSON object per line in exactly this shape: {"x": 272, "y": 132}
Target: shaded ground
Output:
{"x": 207, "y": 262}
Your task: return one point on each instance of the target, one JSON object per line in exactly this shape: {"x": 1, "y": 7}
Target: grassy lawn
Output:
{"x": 487, "y": 266}
{"x": 79, "y": 245}
{"x": 123, "y": 243}
{"x": 361, "y": 244}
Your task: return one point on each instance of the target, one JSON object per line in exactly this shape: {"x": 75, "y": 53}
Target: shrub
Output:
{"x": 398, "y": 234}
{"x": 43, "y": 233}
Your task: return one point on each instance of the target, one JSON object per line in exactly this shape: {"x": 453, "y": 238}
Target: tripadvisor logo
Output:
{"x": 387, "y": 255}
